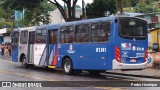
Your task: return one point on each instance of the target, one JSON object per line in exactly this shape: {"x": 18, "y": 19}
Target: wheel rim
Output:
{"x": 67, "y": 67}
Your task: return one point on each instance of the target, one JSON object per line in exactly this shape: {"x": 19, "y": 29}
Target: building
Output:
{"x": 5, "y": 35}
{"x": 56, "y": 16}
{"x": 153, "y": 20}
{"x": 153, "y": 28}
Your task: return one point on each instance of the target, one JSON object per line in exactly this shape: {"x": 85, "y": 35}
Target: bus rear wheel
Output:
{"x": 67, "y": 66}
{"x": 24, "y": 62}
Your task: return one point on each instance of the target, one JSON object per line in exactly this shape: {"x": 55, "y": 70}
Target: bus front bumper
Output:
{"x": 123, "y": 66}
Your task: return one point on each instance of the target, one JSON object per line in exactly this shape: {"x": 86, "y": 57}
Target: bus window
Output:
{"x": 100, "y": 32}
{"x": 67, "y": 34}
{"x": 82, "y": 33}
{"x": 94, "y": 31}
{"x": 15, "y": 39}
{"x": 31, "y": 37}
{"x": 132, "y": 28}
{"x": 23, "y": 37}
{"x": 41, "y": 36}
{"x": 105, "y": 32}
{"x": 53, "y": 34}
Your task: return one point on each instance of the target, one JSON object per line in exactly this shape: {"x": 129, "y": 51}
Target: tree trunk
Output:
{"x": 74, "y": 9}
{"x": 70, "y": 9}
{"x": 60, "y": 9}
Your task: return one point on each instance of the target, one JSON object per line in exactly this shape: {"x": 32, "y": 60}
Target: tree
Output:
{"x": 36, "y": 11}
{"x": 6, "y": 6}
{"x": 134, "y": 2}
{"x": 146, "y": 6}
{"x": 130, "y": 3}
{"x": 99, "y": 8}
{"x": 4, "y": 23}
{"x": 71, "y": 4}
{"x": 2, "y": 13}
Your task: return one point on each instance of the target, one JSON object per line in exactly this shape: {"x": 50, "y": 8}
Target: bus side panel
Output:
{"x": 40, "y": 54}
{"x": 53, "y": 54}
{"x": 111, "y": 45}
{"x": 93, "y": 56}
{"x": 87, "y": 56}
{"x": 65, "y": 50}
{"x": 15, "y": 55}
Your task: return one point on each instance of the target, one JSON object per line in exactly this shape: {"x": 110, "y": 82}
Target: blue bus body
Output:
{"x": 124, "y": 49}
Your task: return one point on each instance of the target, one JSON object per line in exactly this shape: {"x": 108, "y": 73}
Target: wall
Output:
{"x": 155, "y": 34}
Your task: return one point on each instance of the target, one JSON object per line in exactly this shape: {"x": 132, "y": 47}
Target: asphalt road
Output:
{"x": 10, "y": 71}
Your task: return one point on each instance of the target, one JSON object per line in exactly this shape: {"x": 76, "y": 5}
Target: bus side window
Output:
{"x": 67, "y": 34}
{"x": 105, "y": 31}
{"x": 23, "y": 37}
{"x": 15, "y": 39}
{"x": 82, "y": 33}
{"x": 41, "y": 36}
{"x": 100, "y": 32}
{"x": 53, "y": 36}
{"x": 62, "y": 32}
{"x": 32, "y": 37}
{"x": 70, "y": 30}
{"x": 95, "y": 28}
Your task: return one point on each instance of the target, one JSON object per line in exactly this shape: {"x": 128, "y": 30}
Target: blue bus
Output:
{"x": 93, "y": 45}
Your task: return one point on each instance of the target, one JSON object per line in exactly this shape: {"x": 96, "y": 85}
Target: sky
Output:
{"x": 78, "y": 3}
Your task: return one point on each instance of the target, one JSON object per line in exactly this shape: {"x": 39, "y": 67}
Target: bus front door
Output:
{"x": 31, "y": 47}
{"x": 15, "y": 41}
{"x": 52, "y": 47}
{"x": 40, "y": 48}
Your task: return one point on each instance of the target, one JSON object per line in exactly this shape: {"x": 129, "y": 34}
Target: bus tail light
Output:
{"x": 146, "y": 55}
{"x": 117, "y": 54}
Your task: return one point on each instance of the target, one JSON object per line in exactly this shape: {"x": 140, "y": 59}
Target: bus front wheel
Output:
{"x": 24, "y": 63}
{"x": 67, "y": 66}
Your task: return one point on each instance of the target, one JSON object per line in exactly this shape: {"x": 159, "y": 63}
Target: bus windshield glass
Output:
{"x": 130, "y": 28}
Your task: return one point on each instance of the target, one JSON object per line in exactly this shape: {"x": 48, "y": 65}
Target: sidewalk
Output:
{"x": 149, "y": 72}
{"x": 6, "y": 58}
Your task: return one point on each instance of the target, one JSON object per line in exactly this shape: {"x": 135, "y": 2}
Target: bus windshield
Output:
{"x": 130, "y": 28}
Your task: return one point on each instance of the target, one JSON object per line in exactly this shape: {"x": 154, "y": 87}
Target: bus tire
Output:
{"x": 24, "y": 62}
{"x": 67, "y": 66}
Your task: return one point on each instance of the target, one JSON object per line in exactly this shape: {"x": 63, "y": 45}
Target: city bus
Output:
{"x": 93, "y": 45}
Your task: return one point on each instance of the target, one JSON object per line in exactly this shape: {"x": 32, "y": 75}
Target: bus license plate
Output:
{"x": 133, "y": 60}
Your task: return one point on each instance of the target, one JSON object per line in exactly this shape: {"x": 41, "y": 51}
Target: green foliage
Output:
{"x": 42, "y": 14}
{"x": 6, "y": 7}
{"x": 35, "y": 11}
{"x": 130, "y": 3}
{"x": 99, "y": 8}
{"x": 128, "y": 10}
{"x": 134, "y": 2}
{"x": 146, "y": 6}
{"x": 4, "y": 23}
{"x": 2, "y": 13}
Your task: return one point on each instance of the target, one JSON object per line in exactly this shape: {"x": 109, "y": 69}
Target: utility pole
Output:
{"x": 120, "y": 6}
{"x": 83, "y": 10}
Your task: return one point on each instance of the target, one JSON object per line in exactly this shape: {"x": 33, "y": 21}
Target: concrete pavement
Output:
{"x": 151, "y": 72}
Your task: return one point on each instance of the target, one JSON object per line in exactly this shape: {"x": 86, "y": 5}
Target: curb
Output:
{"x": 9, "y": 59}
{"x": 133, "y": 75}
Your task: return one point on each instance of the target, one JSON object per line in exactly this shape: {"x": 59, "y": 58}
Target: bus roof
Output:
{"x": 57, "y": 26}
